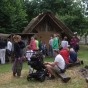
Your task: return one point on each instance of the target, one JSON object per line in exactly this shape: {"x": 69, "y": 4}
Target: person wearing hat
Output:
{"x": 57, "y": 66}
{"x": 18, "y": 46}
{"x": 74, "y": 43}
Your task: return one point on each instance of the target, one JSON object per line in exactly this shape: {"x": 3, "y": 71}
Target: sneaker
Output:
{"x": 82, "y": 62}
{"x": 51, "y": 78}
{"x": 14, "y": 74}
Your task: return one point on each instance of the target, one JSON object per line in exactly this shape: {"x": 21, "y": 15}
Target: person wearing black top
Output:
{"x": 18, "y": 47}
{"x": 2, "y": 50}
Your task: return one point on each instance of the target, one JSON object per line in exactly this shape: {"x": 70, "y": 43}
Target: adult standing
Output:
{"x": 64, "y": 42}
{"x": 9, "y": 49}
{"x": 55, "y": 43}
{"x": 50, "y": 46}
{"x": 18, "y": 46}
{"x": 33, "y": 44}
{"x": 74, "y": 43}
{"x": 44, "y": 49}
{"x": 37, "y": 44}
{"x": 2, "y": 50}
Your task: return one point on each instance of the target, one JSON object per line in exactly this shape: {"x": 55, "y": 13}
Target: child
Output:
{"x": 29, "y": 53}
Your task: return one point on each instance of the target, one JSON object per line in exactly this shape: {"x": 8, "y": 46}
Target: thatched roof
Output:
{"x": 4, "y": 35}
{"x": 35, "y": 21}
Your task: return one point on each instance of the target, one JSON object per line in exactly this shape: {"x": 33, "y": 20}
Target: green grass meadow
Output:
{"x": 77, "y": 81}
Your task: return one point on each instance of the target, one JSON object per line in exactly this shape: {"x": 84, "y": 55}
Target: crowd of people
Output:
{"x": 5, "y": 48}
{"x": 63, "y": 51}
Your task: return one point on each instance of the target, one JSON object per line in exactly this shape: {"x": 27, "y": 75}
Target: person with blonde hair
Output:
{"x": 18, "y": 46}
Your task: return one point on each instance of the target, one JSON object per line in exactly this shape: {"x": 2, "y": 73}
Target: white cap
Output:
{"x": 75, "y": 33}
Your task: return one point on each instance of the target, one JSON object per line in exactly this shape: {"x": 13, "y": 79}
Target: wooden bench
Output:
{"x": 65, "y": 78}
{"x": 86, "y": 79}
{"x": 85, "y": 73}
{"x": 74, "y": 64}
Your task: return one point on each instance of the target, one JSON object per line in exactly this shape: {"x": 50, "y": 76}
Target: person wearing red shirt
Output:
{"x": 65, "y": 54}
{"x": 33, "y": 44}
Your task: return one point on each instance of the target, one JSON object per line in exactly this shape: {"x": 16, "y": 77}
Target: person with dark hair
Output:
{"x": 50, "y": 46}
{"x": 40, "y": 45}
{"x": 29, "y": 54}
{"x": 72, "y": 56}
{"x": 64, "y": 42}
{"x": 9, "y": 49}
{"x": 55, "y": 42}
{"x": 37, "y": 44}
{"x": 57, "y": 66}
{"x": 65, "y": 54}
{"x": 33, "y": 44}
{"x": 2, "y": 50}
{"x": 74, "y": 43}
{"x": 44, "y": 49}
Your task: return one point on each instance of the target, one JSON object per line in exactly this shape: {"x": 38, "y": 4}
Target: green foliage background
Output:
{"x": 15, "y": 14}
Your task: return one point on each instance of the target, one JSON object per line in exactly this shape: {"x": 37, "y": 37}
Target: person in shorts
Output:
{"x": 57, "y": 66}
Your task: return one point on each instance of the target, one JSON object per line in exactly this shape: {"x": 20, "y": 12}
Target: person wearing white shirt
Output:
{"x": 9, "y": 49}
{"x": 9, "y": 45}
{"x": 29, "y": 54}
{"x": 50, "y": 46}
{"x": 2, "y": 50}
{"x": 57, "y": 66}
{"x": 64, "y": 43}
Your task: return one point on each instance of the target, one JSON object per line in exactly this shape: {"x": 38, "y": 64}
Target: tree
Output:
{"x": 34, "y": 7}
{"x": 70, "y": 13}
{"x": 12, "y": 16}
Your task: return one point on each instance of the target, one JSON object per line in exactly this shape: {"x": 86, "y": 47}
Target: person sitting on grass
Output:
{"x": 72, "y": 55}
{"x": 65, "y": 54}
{"x": 57, "y": 66}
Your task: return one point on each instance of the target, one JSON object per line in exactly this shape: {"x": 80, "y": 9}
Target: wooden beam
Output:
{"x": 74, "y": 64}
{"x": 65, "y": 78}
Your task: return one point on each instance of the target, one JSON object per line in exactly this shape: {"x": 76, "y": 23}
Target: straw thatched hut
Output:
{"x": 4, "y": 36}
{"x": 46, "y": 24}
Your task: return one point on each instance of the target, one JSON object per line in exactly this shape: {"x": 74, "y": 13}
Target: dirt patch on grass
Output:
{"x": 8, "y": 77}
{"x": 5, "y": 77}
{"x": 8, "y": 81}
